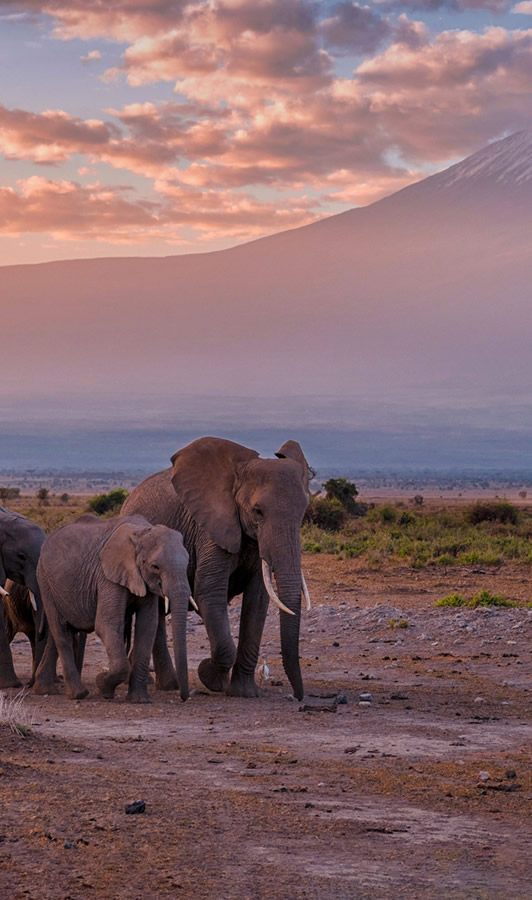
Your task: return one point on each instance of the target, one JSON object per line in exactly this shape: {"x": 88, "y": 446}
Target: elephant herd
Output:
{"x": 218, "y": 523}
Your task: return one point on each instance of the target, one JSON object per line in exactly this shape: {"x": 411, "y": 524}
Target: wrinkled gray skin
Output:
{"x": 233, "y": 509}
{"x": 94, "y": 574}
{"x": 20, "y": 546}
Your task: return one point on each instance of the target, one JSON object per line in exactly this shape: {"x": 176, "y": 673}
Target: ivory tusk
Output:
{"x": 267, "y": 578}
{"x": 194, "y": 604}
{"x": 305, "y": 591}
{"x": 3, "y": 592}
{"x": 33, "y": 600}
{"x": 166, "y": 605}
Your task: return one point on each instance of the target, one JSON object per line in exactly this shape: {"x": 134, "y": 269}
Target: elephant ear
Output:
{"x": 292, "y": 450}
{"x": 117, "y": 557}
{"x": 3, "y": 575}
{"x": 204, "y": 479}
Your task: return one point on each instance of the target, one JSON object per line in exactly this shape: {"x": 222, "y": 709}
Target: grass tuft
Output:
{"x": 15, "y": 714}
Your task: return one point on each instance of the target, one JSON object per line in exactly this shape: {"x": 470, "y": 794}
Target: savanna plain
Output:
{"x": 406, "y": 771}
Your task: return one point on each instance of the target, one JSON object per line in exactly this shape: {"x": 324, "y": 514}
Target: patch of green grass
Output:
{"x": 452, "y": 600}
{"x": 481, "y": 598}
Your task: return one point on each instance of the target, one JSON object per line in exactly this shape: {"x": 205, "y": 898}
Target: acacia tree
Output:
{"x": 343, "y": 490}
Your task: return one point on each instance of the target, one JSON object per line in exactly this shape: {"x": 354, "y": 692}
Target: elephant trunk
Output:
{"x": 178, "y": 594}
{"x": 285, "y": 559}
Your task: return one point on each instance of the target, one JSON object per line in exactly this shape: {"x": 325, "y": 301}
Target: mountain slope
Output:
{"x": 428, "y": 287}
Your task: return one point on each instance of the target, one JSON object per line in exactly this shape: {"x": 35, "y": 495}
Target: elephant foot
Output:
{"x": 10, "y": 682}
{"x": 213, "y": 676}
{"x": 167, "y": 681}
{"x": 106, "y": 689}
{"x": 42, "y": 688}
{"x": 243, "y": 685}
{"x": 138, "y": 696}
{"x": 77, "y": 693}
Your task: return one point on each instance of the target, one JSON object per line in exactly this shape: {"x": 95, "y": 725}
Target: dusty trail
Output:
{"x": 253, "y": 798}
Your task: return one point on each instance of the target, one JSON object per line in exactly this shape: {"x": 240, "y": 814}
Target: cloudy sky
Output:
{"x": 143, "y": 127}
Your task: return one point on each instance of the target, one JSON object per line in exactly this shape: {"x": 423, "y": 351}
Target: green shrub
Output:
{"x": 493, "y": 511}
{"x": 452, "y": 600}
{"x": 343, "y": 490}
{"x": 484, "y": 598}
{"x": 105, "y": 503}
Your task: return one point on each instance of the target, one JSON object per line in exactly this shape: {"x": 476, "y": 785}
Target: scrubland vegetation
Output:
{"x": 484, "y": 533}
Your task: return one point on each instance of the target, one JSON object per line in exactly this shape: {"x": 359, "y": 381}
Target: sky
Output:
{"x": 160, "y": 127}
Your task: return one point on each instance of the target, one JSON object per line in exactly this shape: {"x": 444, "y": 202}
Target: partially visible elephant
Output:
{"x": 94, "y": 574}
{"x": 20, "y": 546}
{"x": 240, "y": 517}
{"x": 21, "y": 615}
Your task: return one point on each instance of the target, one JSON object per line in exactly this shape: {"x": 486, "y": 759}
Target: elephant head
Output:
{"x": 20, "y": 547}
{"x": 146, "y": 558}
{"x": 233, "y": 494}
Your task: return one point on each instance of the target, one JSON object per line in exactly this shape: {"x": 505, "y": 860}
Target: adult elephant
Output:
{"x": 240, "y": 517}
{"x": 20, "y": 547}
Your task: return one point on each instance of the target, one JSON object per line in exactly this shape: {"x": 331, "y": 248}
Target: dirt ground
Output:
{"x": 423, "y": 791}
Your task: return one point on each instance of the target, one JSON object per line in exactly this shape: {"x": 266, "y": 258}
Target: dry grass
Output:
{"x": 15, "y": 714}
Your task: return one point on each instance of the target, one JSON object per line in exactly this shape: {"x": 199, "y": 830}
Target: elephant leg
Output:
{"x": 146, "y": 623}
{"x": 45, "y": 681}
{"x": 8, "y": 676}
{"x": 252, "y": 618}
{"x": 64, "y": 641}
{"x": 210, "y": 594}
{"x": 80, "y": 640}
{"x": 165, "y": 675}
{"x": 110, "y": 629}
{"x": 37, "y": 650}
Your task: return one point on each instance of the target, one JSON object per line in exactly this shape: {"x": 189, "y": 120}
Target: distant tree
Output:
{"x": 42, "y": 496}
{"x": 523, "y": 495}
{"x": 111, "y": 502}
{"x": 9, "y": 493}
{"x": 64, "y": 498}
{"x": 418, "y": 500}
{"x": 327, "y": 514}
{"x": 344, "y": 491}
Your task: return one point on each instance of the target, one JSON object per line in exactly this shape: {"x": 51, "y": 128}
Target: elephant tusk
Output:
{"x": 305, "y": 591}
{"x": 193, "y": 603}
{"x": 3, "y": 592}
{"x": 33, "y": 600}
{"x": 267, "y": 578}
{"x": 166, "y": 605}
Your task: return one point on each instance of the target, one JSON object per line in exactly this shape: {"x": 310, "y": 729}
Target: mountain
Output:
{"x": 423, "y": 296}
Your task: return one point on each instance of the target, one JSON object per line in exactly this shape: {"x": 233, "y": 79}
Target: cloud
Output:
{"x": 68, "y": 210}
{"x": 52, "y": 136}
{"x": 91, "y": 56}
{"x": 355, "y": 29}
{"x": 524, "y": 8}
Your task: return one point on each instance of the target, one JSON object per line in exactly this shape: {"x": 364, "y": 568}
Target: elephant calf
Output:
{"x": 93, "y": 575}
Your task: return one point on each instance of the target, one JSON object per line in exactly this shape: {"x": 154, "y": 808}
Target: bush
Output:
{"x": 344, "y": 491}
{"x": 327, "y": 514}
{"x": 493, "y": 511}
{"x": 452, "y": 600}
{"x": 484, "y": 598}
{"x": 105, "y": 503}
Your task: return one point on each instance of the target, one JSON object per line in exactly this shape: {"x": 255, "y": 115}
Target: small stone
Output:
{"x": 511, "y": 773}
{"x": 484, "y": 776}
{"x": 479, "y": 700}
{"x": 364, "y": 703}
{"x": 68, "y": 845}
{"x": 365, "y": 697}
{"x": 133, "y": 809}
{"x": 336, "y": 644}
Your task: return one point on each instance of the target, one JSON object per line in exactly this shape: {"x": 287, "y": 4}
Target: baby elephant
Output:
{"x": 93, "y": 575}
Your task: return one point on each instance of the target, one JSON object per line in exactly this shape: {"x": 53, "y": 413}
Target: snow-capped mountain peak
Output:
{"x": 504, "y": 162}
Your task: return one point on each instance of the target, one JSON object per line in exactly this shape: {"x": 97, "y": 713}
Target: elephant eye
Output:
{"x": 155, "y": 567}
{"x": 258, "y": 511}
{"x": 22, "y": 556}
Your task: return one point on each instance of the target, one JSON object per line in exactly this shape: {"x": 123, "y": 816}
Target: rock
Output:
{"x": 367, "y": 698}
{"x": 478, "y": 700}
{"x": 364, "y": 703}
{"x": 68, "y": 845}
{"x": 511, "y": 773}
{"x": 133, "y": 809}
{"x": 399, "y": 697}
{"x": 484, "y": 776}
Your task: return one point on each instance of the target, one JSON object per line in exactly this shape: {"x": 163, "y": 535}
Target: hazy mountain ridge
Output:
{"x": 422, "y": 295}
